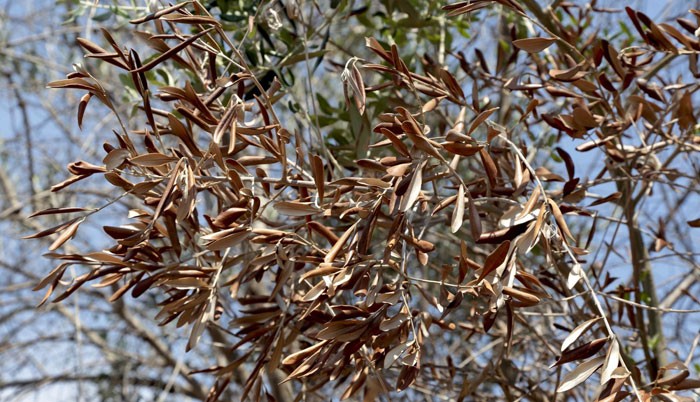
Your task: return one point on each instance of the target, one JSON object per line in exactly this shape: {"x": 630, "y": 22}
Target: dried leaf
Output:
{"x": 171, "y": 52}
{"x": 82, "y": 105}
{"x": 559, "y": 218}
{"x": 66, "y": 235}
{"x": 296, "y": 208}
{"x": 393, "y": 322}
{"x": 480, "y": 119}
{"x": 152, "y": 160}
{"x": 574, "y": 275}
{"x": 612, "y": 359}
{"x": 395, "y": 353}
{"x": 226, "y": 238}
{"x": 414, "y": 189}
{"x": 582, "y": 352}
{"x": 115, "y": 158}
{"x": 333, "y": 252}
{"x": 612, "y": 197}
{"x": 580, "y": 374}
{"x": 577, "y": 332}
{"x": 495, "y": 259}
{"x": 534, "y": 45}
{"x": 52, "y": 211}
{"x": 458, "y": 212}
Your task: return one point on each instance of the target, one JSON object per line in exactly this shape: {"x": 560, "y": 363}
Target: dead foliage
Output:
{"x": 358, "y": 272}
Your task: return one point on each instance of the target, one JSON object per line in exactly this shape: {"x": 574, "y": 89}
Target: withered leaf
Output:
{"x": 343, "y": 331}
{"x": 152, "y": 159}
{"x": 577, "y": 332}
{"x": 582, "y": 352}
{"x": 226, "y": 238}
{"x": 172, "y": 51}
{"x": 52, "y": 211}
{"x": 612, "y": 359}
{"x": 296, "y": 208}
{"x": 458, "y": 212}
{"x": 335, "y": 250}
{"x": 115, "y": 158}
{"x": 495, "y": 259}
{"x": 393, "y": 322}
{"x": 82, "y": 105}
{"x": 480, "y": 119}
{"x": 461, "y": 148}
{"x": 66, "y": 234}
{"x": 190, "y": 19}
{"x": 559, "y": 218}
{"x": 55, "y": 229}
{"x": 295, "y": 358}
{"x": 395, "y": 353}
{"x": 534, "y": 45}
{"x": 522, "y": 295}
{"x": 612, "y": 197}
{"x": 580, "y": 374}
{"x": 414, "y": 189}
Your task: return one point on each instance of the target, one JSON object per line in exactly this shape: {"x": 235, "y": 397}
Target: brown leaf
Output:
{"x": 295, "y": 358}
{"x": 582, "y": 352}
{"x": 333, "y": 252}
{"x": 474, "y": 219}
{"x": 570, "y": 167}
{"x": 190, "y": 19}
{"x": 612, "y": 197}
{"x": 495, "y": 259}
{"x": 115, "y": 158}
{"x": 82, "y": 105}
{"x": 66, "y": 235}
{"x": 55, "y": 229}
{"x": 296, "y": 208}
{"x": 458, "y": 212}
{"x": 342, "y": 331}
{"x": 172, "y": 51}
{"x": 461, "y": 148}
{"x": 414, "y": 188}
{"x": 52, "y": 211}
{"x": 319, "y": 176}
{"x": 489, "y": 166}
{"x": 480, "y": 119}
{"x": 560, "y": 219}
{"x": 152, "y": 160}
{"x": 226, "y": 238}
{"x": 523, "y": 295}
{"x": 534, "y": 45}
{"x": 580, "y": 374}
{"x": 577, "y": 332}
{"x": 407, "y": 376}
